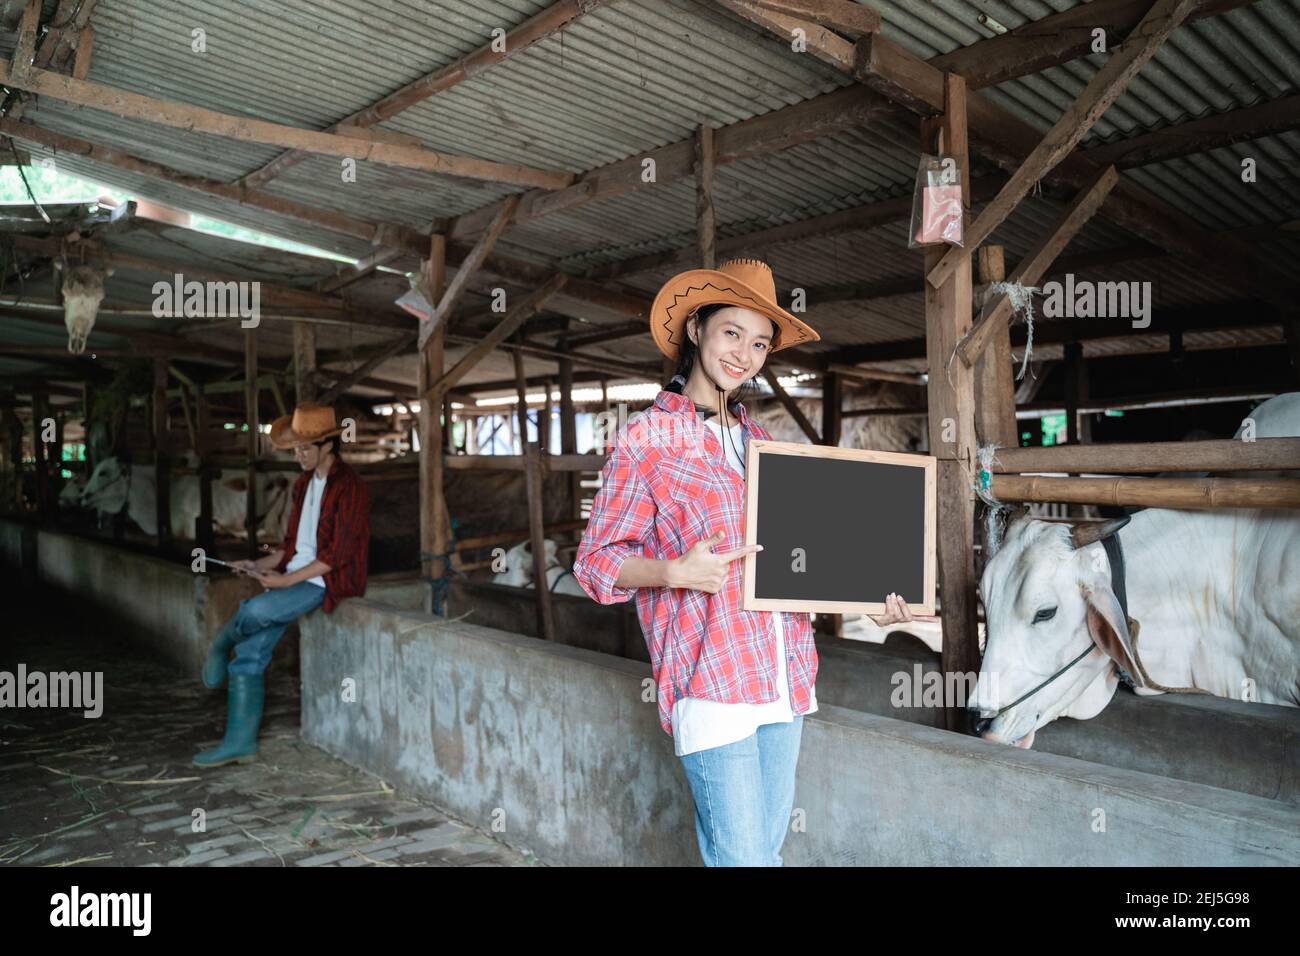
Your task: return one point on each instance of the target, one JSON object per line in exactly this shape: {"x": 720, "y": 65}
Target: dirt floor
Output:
{"x": 119, "y": 789}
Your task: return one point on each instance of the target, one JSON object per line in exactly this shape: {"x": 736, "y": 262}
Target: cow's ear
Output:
{"x": 1109, "y": 630}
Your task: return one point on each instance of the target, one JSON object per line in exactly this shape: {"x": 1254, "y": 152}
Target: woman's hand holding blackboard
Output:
{"x": 896, "y": 612}
{"x": 699, "y": 569}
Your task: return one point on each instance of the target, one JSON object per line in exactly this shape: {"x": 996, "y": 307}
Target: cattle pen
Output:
{"x": 449, "y": 221}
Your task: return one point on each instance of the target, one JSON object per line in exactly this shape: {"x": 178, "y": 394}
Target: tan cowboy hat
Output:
{"x": 310, "y": 422}
{"x": 744, "y": 282}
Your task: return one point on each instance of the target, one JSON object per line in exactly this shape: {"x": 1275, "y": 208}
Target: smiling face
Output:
{"x": 733, "y": 345}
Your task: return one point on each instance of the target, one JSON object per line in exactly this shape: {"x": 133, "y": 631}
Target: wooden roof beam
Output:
{"x": 1006, "y": 140}
{"x": 380, "y": 234}
{"x": 1034, "y": 266}
{"x": 771, "y": 132}
{"x": 1200, "y": 135}
{"x": 1225, "y": 316}
{"x": 190, "y": 118}
{"x": 515, "y": 316}
{"x": 1057, "y": 38}
{"x": 844, "y": 16}
{"x": 468, "y": 266}
{"x": 1103, "y": 89}
{"x": 535, "y": 29}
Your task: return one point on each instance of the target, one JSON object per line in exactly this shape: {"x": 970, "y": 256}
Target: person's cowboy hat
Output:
{"x": 747, "y": 283}
{"x": 310, "y": 422}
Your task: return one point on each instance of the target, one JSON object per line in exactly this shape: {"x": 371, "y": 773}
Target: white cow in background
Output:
{"x": 519, "y": 570}
{"x": 1216, "y": 595}
{"x": 70, "y": 496}
{"x": 115, "y": 485}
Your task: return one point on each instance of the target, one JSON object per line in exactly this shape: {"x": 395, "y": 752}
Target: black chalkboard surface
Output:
{"x": 840, "y": 529}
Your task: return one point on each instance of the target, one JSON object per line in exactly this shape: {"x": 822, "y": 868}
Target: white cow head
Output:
{"x": 107, "y": 487}
{"x": 1047, "y": 600}
{"x": 83, "y": 290}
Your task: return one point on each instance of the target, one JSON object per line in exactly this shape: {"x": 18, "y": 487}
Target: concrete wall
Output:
{"x": 163, "y": 605}
{"x": 1252, "y": 748}
{"x": 18, "y": 550}
{"x": 558, "y": 744}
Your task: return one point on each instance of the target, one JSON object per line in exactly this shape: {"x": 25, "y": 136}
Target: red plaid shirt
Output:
{"x": 342, "y": 531}
{"x": 664, "y": 487}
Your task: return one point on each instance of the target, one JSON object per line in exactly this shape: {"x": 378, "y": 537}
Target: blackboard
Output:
{"x": 840, "y": 529}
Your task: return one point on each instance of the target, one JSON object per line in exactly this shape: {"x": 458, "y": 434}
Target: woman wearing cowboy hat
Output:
{"x": 667, "y": 527}
{"x": 321, "y": 561}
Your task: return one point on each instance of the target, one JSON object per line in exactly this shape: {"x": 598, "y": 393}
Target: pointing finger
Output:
{"x": 741, "y": 552}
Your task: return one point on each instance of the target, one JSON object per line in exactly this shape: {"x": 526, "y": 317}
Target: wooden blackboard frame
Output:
{"x": 758, "y": 448}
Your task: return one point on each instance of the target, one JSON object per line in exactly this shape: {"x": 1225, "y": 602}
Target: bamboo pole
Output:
{"x": 1151, "y": 492}
{"x": 1225, "y": 454}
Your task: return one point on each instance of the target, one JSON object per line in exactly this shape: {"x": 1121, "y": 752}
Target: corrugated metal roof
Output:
{"x": 638, "y": 74}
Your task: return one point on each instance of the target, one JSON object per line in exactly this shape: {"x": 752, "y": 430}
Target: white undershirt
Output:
{"x": 700, "y": 724}
{"x": 304, "y": 548}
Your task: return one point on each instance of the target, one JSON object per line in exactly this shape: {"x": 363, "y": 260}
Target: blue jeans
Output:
{"x": 743, "y": 793}
{"x": 260, "y": 622}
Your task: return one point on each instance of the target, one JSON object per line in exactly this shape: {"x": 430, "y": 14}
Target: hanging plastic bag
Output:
{"x": 937, "y": 214}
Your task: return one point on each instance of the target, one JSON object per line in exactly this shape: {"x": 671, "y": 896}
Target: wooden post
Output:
{"x": 41, "y": 453}
{"x": 435, "y": 523}
{"x": 1076, "y": 393}
{"x": 832, "y": 425}
{"x": 304, "y": 361}
{"x": 569, "y": 430}
{"x": 447, "y": 423}
{"x": 1291, "y": 331}
{"x": 203, "y": 531}
{"x": 704, "y": 213}
{"x": 832, "y": 408}
{"x": 161, "y": 459}
{"x": 533, "y": 478}
{"x": 254, "y": 434}
{"x": 952, "y": 415}
{"x": 14, "y": 431}
{"x": 86, "y": 422}
{"x": 995, "y": 393}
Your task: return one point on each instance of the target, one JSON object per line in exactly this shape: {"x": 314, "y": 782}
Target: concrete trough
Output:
{"x": 559, "y": 750}
{"x": 1252, "y": 748}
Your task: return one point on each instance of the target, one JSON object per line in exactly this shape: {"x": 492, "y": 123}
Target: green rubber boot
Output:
{"x": 214, "y": 668}
{"x": 219, "y": 657}
{"x": 243, "y": 717}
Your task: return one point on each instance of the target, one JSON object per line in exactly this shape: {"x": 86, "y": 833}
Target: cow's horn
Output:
{"x": 1093, "y": 531}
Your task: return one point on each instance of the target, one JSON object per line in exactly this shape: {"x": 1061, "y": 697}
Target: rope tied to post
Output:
{"x": 1022, "y": 305}
{"x": 440, "y": 586}
{"x": 993, "y": 508}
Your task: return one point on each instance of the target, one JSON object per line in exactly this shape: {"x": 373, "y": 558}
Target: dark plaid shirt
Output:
{"x": 342, "y": 532}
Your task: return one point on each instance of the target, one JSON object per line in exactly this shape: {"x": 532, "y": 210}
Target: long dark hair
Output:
{"x": 690, "y": 351}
